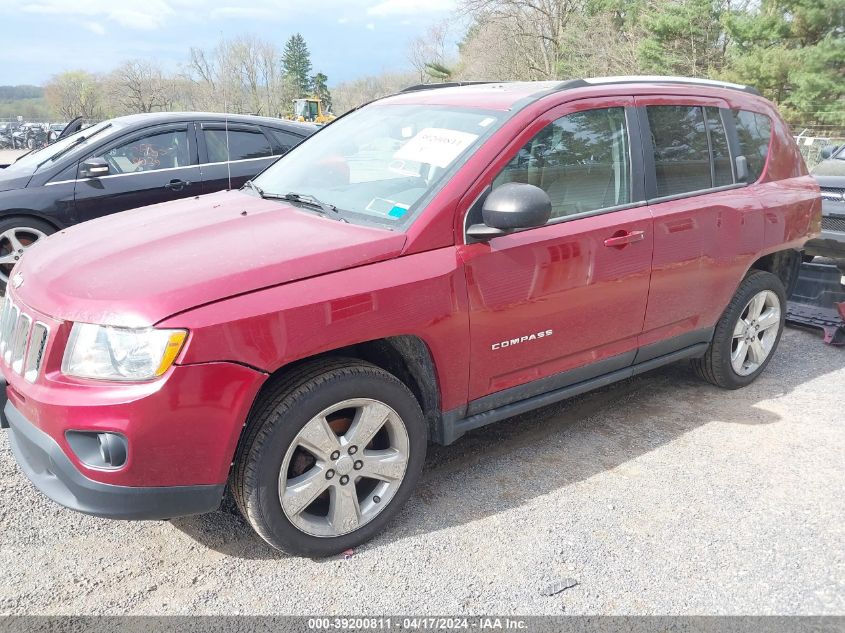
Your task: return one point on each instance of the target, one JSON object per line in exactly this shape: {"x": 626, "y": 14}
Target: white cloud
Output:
{"x": 147, "y": 15}
{"x": 94, "y": 27}
{"x": 410, "y": 7}
{"x": 371, "y": 26}
{"x": 258, "y": 13}
{"x": 342, "y": 20}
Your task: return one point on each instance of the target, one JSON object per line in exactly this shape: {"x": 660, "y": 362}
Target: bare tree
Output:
{"x": 534, "y": 29}
{"x": 140, "y": 86}
{"x": 429, "y": 48}
{"x": 74, "y": 93}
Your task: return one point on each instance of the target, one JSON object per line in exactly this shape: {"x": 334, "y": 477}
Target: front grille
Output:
{"x": 830, "y": 223}
{"x": 833, "y": 193}
{"x": 22, "y": 342}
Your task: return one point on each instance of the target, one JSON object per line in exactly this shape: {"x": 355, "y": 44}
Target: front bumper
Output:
{"x": 47, "y": 466}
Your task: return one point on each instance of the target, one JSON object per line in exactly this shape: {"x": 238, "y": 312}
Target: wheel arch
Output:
{"x": 407, "y": 357}
{"x": 784, "y": 264}
{"x": 12, "y": 214}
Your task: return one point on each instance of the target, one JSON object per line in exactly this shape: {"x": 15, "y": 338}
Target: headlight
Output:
{"x": 112, "y": 353}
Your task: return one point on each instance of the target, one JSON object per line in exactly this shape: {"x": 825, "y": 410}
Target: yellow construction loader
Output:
{"x": 311, "y": 110}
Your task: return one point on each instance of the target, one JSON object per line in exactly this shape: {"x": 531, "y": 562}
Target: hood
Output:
{"x": 10, "y": 181}
{"x": 139, "y": 267}
{"x": 831, "y": 167}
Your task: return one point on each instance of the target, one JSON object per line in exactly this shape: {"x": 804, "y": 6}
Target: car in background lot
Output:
{"x": 830, "y": 174}
{"x": 430, "y": 263}
{"x": 131, "y": 162}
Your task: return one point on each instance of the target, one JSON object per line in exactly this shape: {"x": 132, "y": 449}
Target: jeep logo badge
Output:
{"x": 17, "y": 281}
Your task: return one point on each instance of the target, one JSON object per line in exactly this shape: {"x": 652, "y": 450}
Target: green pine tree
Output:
{"x": 320, "y": 88}
{"x": 296, "y": 62}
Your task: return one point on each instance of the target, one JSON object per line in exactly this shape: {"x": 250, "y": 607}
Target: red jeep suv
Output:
{"x": 427, "y": 264}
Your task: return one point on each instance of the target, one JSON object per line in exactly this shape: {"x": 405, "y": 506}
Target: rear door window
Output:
{"x": 681, "y": 150}
{"x": 287, "y": 140}
{"x": 754, "y": 131}
{"x": 236, "y": 144}
{"x": 722, "y": 170}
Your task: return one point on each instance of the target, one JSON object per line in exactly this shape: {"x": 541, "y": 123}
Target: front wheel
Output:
{"x": 330, "y": 455}
{"x": 747, "y": 335}
{"x": 17, "y": 235}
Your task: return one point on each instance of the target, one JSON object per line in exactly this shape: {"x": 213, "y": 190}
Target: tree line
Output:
{"x": 242, "y": 75}
{"x": 793, "y": 51}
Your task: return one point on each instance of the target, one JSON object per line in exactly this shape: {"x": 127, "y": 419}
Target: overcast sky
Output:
{"x": 347, "y": 38}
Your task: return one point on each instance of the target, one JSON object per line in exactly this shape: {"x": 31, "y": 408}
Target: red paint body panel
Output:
{"x": 143, "y": 265}
{"x": 262, "y": 290}
{"x": 422, "y": 295}
{"x": 181, "y": 428}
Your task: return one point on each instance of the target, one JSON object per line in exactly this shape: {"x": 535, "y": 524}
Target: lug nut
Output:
{"x": 329, "y": 473}
{"x": 353, "y": 450}
{"x": 376, "y": 499}
{"x": 344, "y": 480}
{"x": 359, "y": 465}
{"x": 336, "y": 455}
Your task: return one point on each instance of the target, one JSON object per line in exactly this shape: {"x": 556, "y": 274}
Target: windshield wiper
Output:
{"x": 254, "y": 187}
{"x": 311, "y": 201}
{"x": 61, "y": 153}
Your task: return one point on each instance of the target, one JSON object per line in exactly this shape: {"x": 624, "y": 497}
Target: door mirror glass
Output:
{"x": 512, "y": 206}
{"x": 94, "y": 168}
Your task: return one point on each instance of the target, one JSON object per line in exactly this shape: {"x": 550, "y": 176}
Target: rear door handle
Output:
{"x": 620, "y": 239}
{"x": 177, "y": 185}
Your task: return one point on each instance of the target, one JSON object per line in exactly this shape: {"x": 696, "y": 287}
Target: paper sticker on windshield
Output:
{"x": 436, "y": 146}
{"x": 388, "y": 208}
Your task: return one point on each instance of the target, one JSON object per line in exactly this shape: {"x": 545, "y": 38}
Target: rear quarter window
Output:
{"x": 754, "y": 131}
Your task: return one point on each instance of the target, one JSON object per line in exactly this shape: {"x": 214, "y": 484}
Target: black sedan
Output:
{"x": 130, "y": 162}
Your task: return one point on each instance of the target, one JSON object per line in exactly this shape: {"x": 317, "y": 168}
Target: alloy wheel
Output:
{"x": 13, "y": 242}
{"x": 343, "y": 468}
{"x": 755, "y": 333}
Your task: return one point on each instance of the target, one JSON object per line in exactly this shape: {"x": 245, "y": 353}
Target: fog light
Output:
{"x": 112, "y": 449}
{"x": 98, "y": 450}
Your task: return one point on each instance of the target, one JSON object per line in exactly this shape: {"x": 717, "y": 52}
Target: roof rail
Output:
{"x": 662, "y": 79}
{"x": 447, "y": 84}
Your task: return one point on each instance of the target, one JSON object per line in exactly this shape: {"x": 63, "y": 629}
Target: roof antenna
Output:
{"x": 226, "y": 118}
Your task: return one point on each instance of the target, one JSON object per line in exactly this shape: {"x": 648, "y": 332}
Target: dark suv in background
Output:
{"x": 131, "y": 162}
{"x": 830, "y": 174}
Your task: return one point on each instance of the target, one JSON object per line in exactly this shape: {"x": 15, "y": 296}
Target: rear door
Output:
{"x": 232, "y": 153}
{"x": 148, "y": 166}
{"x": 704, "y": 222}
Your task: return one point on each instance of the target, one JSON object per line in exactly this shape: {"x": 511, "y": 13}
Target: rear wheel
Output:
{"x": 17, "y": 235}
{"x": 331, "y": 454}
{"x": 747, "y": 334}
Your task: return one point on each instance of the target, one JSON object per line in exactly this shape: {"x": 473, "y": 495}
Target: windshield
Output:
{"x": 378, "y": 164}
{"x": 29, "y": 162}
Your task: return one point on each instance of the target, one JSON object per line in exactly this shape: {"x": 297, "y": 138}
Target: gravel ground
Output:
{"x": 659, "y": 495}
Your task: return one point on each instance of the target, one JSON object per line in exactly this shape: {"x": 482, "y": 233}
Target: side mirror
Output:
{"x": 94, "y": 168}
{"x": 741, "y": 169}
{"x": 512, "y": 206}
{"x": 827, "y": 152}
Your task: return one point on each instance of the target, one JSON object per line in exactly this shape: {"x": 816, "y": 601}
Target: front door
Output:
{"x": 151, "y": 166}
{"x": 564, "y": 302}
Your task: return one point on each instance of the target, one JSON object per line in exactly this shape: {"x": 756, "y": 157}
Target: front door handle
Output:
{"x": 621, "y": 239}
{"x": 177, "y": 185}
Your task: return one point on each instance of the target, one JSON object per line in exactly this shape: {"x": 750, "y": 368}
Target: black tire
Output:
{"x": 280, "y": 412}
{"x": 21, "y": 223}
{"x": 715, "y": 366}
